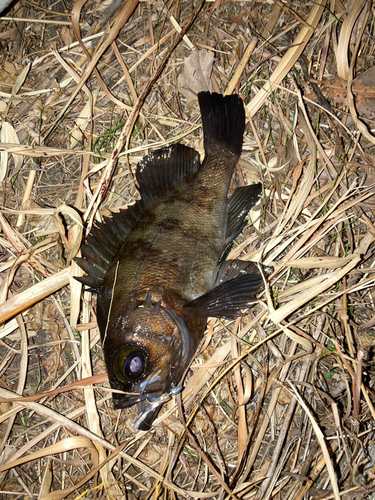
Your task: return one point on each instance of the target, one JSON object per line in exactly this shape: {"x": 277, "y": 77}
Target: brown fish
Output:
{"x": 160, "y": 267}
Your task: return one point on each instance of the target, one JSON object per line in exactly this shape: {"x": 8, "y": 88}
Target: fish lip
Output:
{"x": 147, "y": 411}
{"x": 120, "y": 403}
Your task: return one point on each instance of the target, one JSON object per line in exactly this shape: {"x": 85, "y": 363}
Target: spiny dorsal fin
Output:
{"x": 156, "y": 173}
{"x": 103, "y": 243}
{"x": 162, "y": 169}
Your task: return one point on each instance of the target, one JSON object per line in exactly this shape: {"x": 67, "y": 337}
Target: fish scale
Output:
{"x": 171, "y": 242}
{"x": 164, "y": 269}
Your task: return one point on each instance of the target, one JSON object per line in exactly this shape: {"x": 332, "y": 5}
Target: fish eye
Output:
{"x": 130, "y": 364}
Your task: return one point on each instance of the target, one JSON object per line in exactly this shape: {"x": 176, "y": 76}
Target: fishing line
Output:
{"x": 110, "y": 304}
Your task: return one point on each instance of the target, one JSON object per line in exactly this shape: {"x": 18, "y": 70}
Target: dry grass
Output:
{"x": 279, "y": 404}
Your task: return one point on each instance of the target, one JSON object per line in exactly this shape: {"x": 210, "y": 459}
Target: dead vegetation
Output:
{"x": 278, "y": 404}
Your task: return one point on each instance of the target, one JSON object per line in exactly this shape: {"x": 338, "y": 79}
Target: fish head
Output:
{"x": 146, "y": 356}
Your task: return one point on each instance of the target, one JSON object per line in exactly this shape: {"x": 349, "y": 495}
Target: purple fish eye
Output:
{"x": 130, "y": 364}
{"x": 134, "y": 365}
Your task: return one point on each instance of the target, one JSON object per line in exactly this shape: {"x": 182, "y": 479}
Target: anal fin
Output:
{"x": 241, "y": 201}
{"x": 232, "y": 268}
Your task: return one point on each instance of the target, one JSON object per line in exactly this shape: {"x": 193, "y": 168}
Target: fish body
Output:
{"x": 160, "y": 266}
{"x": 4, "y": 4}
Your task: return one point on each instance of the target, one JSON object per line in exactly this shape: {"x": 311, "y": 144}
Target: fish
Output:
{"x": 4, "y": 4}
{"x": 160, "y": 267}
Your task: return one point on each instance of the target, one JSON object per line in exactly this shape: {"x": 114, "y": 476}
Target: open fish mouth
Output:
{"x": 148, "y": 406}
{"x": 147, "y": 411}
{"x": 121, "y": 401}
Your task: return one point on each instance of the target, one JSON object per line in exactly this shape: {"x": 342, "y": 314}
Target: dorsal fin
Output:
{"x": 103, "y": 243}
{"x": 162, "y": 169}
{"x": 156, "y": 173}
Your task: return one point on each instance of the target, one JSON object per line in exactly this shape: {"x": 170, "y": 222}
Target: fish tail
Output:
{"x": 223, "y": 119}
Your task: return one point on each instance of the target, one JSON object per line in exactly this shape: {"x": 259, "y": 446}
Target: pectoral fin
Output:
{"x": 230, "y": 298}
{"x": 237, "y": 283}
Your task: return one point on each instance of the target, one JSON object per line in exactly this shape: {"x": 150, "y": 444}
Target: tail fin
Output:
{"x": 223, "y": 119}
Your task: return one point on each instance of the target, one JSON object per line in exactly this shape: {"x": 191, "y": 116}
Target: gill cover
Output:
{"x": 187, "y": 343}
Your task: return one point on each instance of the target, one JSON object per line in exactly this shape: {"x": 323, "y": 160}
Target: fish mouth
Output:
{"x": 150, "y": 389}
{"x": 124, "y": 402}
{"x": 148, "y": 407}
{"x": 147, "y": 412}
